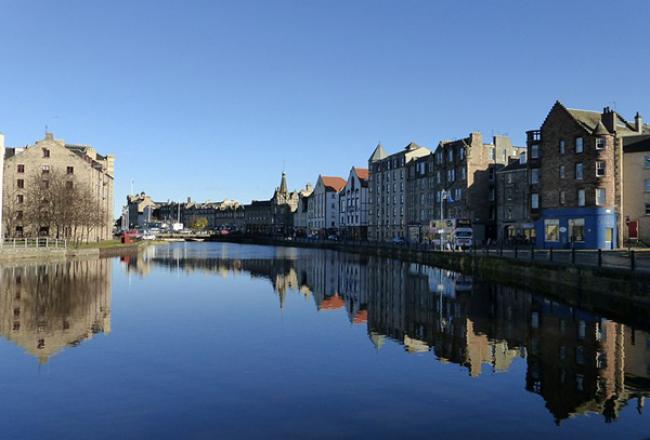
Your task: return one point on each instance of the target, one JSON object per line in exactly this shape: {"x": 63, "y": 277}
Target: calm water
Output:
{"x": 227, "y": 341}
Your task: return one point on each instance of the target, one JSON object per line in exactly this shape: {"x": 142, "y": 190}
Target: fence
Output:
{"x": 33, "y": 243}
{"x": 630, "y": 259}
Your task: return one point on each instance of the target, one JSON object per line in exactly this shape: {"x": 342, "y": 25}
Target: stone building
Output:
{"x": 283, "y": 204}
{"x": 323, "y": 213}
{"x": 50, "y": 163}
{"x": 353, "y": 205}
{"x": 576, "y": 177}
{"x": 140, "y": 210}
{"x": 457, "y": 181}
{"x": 513, "y": 213}
{"x": 387, "y": 191}
{"x": 258, "y": 217}
{"x": 636, "y": 189}
{"x": 46, "y": 309}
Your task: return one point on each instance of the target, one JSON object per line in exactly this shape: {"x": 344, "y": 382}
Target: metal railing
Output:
{"x": 629, "y": 259}
{"x": 33, "y": 243}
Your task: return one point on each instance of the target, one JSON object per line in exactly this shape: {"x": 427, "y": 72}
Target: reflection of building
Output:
{"x": 47, "y": 308}
{"x": 576, "y": 361}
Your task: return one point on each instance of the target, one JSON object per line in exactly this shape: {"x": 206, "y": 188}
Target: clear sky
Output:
{"x": 211, "y": 99}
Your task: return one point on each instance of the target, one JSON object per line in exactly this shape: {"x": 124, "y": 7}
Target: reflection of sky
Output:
{"x": 193, "y": 354}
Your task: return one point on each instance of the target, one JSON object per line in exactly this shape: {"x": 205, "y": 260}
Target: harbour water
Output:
{"x": 215, "y": 340}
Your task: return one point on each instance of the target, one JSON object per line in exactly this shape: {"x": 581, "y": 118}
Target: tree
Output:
{"x": 200, "y": 223}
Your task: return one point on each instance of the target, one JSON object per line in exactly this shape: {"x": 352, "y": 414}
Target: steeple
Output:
{"x": 378, "y": 154}
{"x": 283, "y": 184}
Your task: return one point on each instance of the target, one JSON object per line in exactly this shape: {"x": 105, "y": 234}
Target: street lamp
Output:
{"x": 443, "y": 196}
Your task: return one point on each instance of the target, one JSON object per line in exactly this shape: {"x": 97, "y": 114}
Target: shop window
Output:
{"x": 577, "y": 230}
{"x": 552, "y": 230}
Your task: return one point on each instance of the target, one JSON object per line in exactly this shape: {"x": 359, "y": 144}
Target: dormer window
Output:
{"x": 46, "y": 153}
{"x": 600, "y": 143}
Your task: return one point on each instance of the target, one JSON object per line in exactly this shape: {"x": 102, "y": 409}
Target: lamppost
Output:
{"x": 443, "y": 196}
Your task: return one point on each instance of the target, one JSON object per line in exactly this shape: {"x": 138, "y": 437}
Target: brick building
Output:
{"x": 636, "y": 189}
{"x": 575, "y": 165}
{"x": 459, "y": 180}
{"x": 513, "y": 213}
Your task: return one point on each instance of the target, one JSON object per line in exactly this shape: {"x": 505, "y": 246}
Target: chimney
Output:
{"x": 49, "y": 136}
{"x": 638, "y": 123}
{"x": 608, "y": 118}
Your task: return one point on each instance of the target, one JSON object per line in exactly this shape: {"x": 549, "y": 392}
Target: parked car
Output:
{"x": 148, "y": 235}
{"x": 398, "y": 240}
{"x": 333, "y": 237}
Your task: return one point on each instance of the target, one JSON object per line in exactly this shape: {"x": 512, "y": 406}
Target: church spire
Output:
{"x": 283, "y": 184}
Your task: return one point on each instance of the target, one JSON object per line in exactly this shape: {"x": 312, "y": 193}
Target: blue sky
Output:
{"x": 211, "y": 99}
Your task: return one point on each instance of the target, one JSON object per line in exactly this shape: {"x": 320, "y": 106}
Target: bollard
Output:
{"x": 632, "y": 260}
{"x": 550, "y": 254}
{"x": 516, "y": 251}
{"x": 600, "y": 257}
{"x": 573, "y": 255}
{"x": 532, "y": 252}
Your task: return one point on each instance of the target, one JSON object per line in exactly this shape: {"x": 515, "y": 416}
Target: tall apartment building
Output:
{"x": 353, "y": 205}
{"x": 387, "y": 191}
{"x": 52, "y": 165}
{"x": 457, "y": 181}
{"x": 576, "y": 172}
{"x": 513, "y": 213}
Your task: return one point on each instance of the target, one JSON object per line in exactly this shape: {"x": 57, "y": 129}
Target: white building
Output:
{"x": 323, "y": 211}
{"x": 353, "y": 205}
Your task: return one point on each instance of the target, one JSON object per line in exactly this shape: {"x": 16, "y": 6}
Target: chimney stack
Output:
{"x": 608, "y": 118}
{"x": 638, "y": 123}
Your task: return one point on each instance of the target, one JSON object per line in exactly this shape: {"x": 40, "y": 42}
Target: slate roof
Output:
{"x": 378, "y": 154}
{"x": 514, "y": 165}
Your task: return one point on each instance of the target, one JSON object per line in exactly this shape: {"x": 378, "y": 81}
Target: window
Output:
{"x": 451, "y": 175}
{"x": 551, "y": 230}
{"x": 459, "y": 194}
{"x": 579, "y": 171}
{"x": 534, "y": 151}
{"x": 561, "y": 172}
{"x": 491, "y": 154}
{"x": 69, "y": 185}
{"x": 534, "y": 201}
{"x": 534, "y": 176}
{"x": 601, "y": 198}
{"x": 646, "y": 162}
{"x": 463, "y": 173}
{"x": 491, "y": 195}
{"x": 581, "y": 197}
{"x": 647, "y": 209}
{"x": 600, "y": 168}
{"x": 646, "y": 185}
{"x": 509, "y": 178}
{"x": 21, "y": 168}
{"x": 450, "y": 155}
{"x": 46, "y": 153}
{"x": 609, "y": 235}
{"x": 461, "y": 153}
{"x": 576, "y": 229}
{"x": 562, "y": 197}
{"x": 20, "y": 199}
{"x": 579, "y": 145}
{"x": 45, "y": 184}
{"x": 70, "y": 170}
{"x": 19, "y": 215}
{"x": 562, "y": 146}
{"x": 45, "y": 169}
{"x": 509, "y": 214}
{"x": 600, "y": 143}
{"x": 20, "y": 183}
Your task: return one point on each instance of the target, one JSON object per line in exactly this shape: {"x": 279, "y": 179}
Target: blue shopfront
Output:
{"x": 584, "y": 228}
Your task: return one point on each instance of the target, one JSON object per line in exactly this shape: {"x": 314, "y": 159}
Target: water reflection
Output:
{"x": 46, "y": 308}
{"x": 576, "y": 361}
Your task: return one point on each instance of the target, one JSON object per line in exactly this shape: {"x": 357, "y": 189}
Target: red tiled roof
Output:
{"x": 332, "y": 303}
{"x": 362, "y": 173}
{"x": 333, "y": 183}
{"x": 361, "y": 317}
